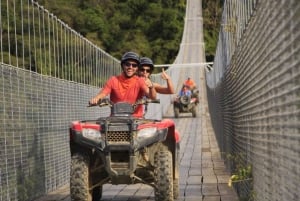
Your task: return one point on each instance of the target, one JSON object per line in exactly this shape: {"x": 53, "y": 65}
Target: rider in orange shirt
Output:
{"x": 127, "y": 86}
{"x": 191, "y": 83}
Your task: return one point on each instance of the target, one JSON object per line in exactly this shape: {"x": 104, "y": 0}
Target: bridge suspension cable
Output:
{"x": 207, "y": 65}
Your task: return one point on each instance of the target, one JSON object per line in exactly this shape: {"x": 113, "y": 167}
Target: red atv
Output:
{"x": 122, "y": 149}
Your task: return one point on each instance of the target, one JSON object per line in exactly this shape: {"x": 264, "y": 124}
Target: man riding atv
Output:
{"x": 127, "y": 86}
{"x": 185, "y": 102}
{"x": 124, "y": 148}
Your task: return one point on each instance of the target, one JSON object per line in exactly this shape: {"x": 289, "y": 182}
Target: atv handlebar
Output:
{"x": 101, "y": 103}
{"x": 107, "y": 102}
{"x": 146, "y": 101}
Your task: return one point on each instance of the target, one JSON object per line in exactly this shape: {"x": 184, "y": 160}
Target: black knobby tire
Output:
{"x": 194, "y": 111}
{"x": 176, "y": 112}
{"x": 185, "y": 100}
{"x": 79, "y": 178}
{"x": 176, "y": 188}
{"x": 163, "y": 176}
{"x": 97, "y": 193}
{"x": 176, "y": 175}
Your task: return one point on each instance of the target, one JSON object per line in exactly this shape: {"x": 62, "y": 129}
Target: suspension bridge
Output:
{"x": 248, "y": 116}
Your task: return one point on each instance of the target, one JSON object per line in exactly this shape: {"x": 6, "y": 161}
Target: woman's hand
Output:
{"x": 148, "y": 83}
{"x": 164, "y": 75}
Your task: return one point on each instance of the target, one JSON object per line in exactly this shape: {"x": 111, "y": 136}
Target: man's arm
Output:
{"x": 98, "y": 97}
{"x": 103, "y": 92}
{"x": 193, "y": 84}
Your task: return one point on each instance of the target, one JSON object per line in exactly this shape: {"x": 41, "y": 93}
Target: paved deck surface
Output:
{"x": 203, "y": 176}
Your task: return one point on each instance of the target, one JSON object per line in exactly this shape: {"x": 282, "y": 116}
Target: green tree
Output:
{"x": 212, "y": 11}
{"x": 117, "y": 26}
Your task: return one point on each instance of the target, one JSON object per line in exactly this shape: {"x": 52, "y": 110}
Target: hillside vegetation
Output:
{"x": 149, "y": 27}
{"x": 152, "y": 28}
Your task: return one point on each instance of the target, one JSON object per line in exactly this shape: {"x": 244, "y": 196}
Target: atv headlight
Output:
{"x": 91, "y": 134}
{"x": 146, "y": 133}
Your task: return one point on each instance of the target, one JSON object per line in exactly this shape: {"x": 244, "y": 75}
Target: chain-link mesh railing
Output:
{"x": 254, "y": 95}
{"x": 35, "y": 113}
{"x": 47, "y": 76}
{"x": 34, "y": 39}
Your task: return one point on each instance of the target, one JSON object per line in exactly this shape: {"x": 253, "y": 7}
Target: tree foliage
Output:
{"x": 151, "y": 28}
{"x": 212, "y": 11}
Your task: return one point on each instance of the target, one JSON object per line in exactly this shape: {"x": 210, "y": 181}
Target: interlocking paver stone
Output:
{"x": 194, "y": 180}
{"x": 211, "y": 198}
{"x": 210, "y": 189}
{"x": 193, "y": 191}
{"x": 195, "y": 171}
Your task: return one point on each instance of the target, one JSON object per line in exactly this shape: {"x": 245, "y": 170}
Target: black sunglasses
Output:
{"x": 128, "y": 64}
{"x": 143, "y": 69}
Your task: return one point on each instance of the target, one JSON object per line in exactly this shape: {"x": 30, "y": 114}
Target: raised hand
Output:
{"x": 164, "y": 75}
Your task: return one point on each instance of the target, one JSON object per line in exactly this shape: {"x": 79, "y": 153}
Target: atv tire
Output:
{"x": 176, "y": 176}
{"x": 163, "y": 176}
{"x": 194, "y": 111}
{"x": 176, "y": 188}
{"x": 97, "y": 193}
{"x": 176, "y": 112}
{"x": 185, "y": 100}
{"x": 79, "y": 178}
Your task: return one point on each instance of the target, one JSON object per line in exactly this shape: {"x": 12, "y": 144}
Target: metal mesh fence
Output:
{"x": 47, "y": 76}
{"x": 253, "y": 94}
{"x": 35, "y": 113}
{"x": 34, "y": 39}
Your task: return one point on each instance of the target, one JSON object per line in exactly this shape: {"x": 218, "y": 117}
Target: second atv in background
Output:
{"x": 186, "y": 102}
